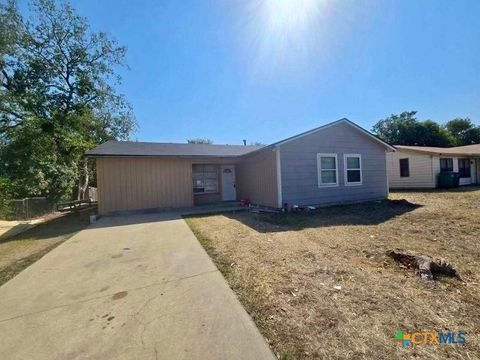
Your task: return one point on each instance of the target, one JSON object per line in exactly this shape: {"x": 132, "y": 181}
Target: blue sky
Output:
{"x": 264, "y": 70}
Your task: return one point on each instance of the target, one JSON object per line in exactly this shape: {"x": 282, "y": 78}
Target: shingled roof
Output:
{"x": 133, "y": 148}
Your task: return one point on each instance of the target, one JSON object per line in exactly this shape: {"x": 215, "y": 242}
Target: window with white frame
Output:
{"x": 327, "y": 169}
{"x": 205, "y": 178}
{"x": 353, "y": 169}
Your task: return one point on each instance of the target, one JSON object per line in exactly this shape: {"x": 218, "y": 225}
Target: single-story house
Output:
{"x": 418, "y": 166}
{"x": 336, "y": 163}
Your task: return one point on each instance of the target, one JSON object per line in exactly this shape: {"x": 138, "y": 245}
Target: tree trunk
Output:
{"x": 425, "y": 266}
{"x": 82, "y": 188}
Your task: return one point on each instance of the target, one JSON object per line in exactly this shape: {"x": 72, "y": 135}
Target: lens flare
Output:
{"x": 284, "y": 32}
{"x": 289, "y": 17}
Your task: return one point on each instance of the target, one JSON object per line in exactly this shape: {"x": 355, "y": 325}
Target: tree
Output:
{"x": 9, "y": 28}
{"x": 430, "y": 133}
{"x": 463, "y": 131}
{"x": 57, "y": 97}
{"x": 257, "y": 143}
{"x": 405, "y": 129}
{"x": 397, "y": 129}
{"x": 200, "y": 141}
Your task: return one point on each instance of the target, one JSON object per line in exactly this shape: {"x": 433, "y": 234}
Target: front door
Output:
{"x": 228, "y": 183}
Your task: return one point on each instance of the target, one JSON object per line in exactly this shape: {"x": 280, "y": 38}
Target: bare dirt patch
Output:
{"x": 322, "y": 286}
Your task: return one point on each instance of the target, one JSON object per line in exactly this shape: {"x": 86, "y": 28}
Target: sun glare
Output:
{"x": 290, "y": 17}
{"x": 284, "y": 32}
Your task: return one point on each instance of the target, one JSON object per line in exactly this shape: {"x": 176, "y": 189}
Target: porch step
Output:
{"x": 224, "y": 206}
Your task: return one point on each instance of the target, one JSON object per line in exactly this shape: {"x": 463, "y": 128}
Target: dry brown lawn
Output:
{"x": 321, "y": 286}
{"x": 22, "y": 250}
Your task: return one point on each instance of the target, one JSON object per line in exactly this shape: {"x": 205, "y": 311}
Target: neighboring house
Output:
{"x": 336, "y": 163}
{"x": 419, "y": 166}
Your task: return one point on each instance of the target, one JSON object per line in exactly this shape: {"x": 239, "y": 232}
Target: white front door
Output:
{"x": 228, "y": 183}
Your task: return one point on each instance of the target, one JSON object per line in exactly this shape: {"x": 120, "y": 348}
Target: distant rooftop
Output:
{"x": 133, "y": 148}
{"x": 458, "y": 150}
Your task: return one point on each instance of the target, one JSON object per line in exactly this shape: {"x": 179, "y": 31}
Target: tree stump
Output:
{"x": 425, "y": 266}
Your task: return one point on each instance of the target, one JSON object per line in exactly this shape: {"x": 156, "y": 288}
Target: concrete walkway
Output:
{"x": 136, "y": 287}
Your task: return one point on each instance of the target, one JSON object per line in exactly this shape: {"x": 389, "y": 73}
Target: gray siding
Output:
{"x": 257, "y": 178}
{"x": 298, "y": 160}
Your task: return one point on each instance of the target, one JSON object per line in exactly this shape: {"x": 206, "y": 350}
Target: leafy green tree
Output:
{"x": 405, "y": 129}
{"x": 34, "y": 168}
{"x": 10, "y": 24}
{"x": 463, "y": 131}
{"x": 200, "y": 141}
{"x": 430, "y": 133}
{"x": 397, "y": 129}
{"x": 57, "y": 97}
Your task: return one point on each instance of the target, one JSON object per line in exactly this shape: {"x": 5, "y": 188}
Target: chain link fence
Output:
{"x": 31, "y": 208}
{"x": 35, "y": 207}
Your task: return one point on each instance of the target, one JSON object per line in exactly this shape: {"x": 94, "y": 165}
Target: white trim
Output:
{"x": 345, "y": 170}
{"x": 346, "y": 121}
{"x": 319, "y": 170}
{"x": 279, "y": 177}
{"x": 386, "y": 174}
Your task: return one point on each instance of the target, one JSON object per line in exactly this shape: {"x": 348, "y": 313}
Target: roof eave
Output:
{"x": 170, "y": 156}
{"x": 426, "y": 152}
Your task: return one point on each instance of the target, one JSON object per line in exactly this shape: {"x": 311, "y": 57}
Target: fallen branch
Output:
{"x": 425, "y": 266}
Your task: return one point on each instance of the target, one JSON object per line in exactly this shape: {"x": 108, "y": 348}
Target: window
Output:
{"x": 446, "y": 164}
{"x": 464, "y": 168}
{"x": 404, "y": 168}
{"x": 353, "y": 169}
{"x": 327, "y": 169}
{"x": 205, "y": 178}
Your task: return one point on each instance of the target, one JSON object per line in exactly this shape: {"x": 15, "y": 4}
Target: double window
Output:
{"x": 464, "y": 168}
{"x": 446, "y": 164}
{"x": 327, "y": 166}
{"x": 205, "y": 178}
{"x": 353, "y": 169}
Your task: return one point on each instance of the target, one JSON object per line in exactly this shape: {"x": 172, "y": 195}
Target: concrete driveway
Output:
{"x": 136, "y": 287}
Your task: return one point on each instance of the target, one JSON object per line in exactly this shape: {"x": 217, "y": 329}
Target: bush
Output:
{"x": 6, "y": 198}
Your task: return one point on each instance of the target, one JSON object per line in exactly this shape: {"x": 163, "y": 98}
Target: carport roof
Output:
{"x": 467, "y": 150}
{"x": 133, "y": 148}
